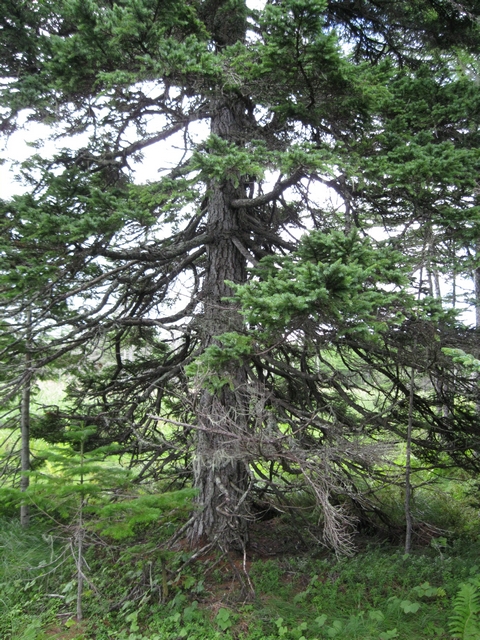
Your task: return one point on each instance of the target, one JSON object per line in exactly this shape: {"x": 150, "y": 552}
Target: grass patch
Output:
{"x": 31, "y": 568}
{"x": 376, "y": 595}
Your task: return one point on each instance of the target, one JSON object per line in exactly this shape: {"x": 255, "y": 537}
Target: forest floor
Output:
{"x": 288, "y": 587}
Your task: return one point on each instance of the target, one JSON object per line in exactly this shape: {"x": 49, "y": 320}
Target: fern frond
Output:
{"x": 464, "y": 622}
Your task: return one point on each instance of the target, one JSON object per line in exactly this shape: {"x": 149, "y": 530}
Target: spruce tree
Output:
{"x": 137, "y": 277}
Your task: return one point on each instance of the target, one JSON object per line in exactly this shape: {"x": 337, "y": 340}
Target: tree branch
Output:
{"x": 279, "y": 188}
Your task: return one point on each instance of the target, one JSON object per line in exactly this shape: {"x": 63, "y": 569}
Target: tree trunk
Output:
{"x": 221, "y": 473}
{"x": 476, "y": 278}
{"x": 408, "y": 468}
{"x": 25, "y": 428}
{"x": 477, "y": 293}
{"x": 25, "y": 448}
{"x": 220, "y": 469}
{"x": 80, "y": 535}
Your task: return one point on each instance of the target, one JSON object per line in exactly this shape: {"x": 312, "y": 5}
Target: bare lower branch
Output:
{"x": 279, "y": 188}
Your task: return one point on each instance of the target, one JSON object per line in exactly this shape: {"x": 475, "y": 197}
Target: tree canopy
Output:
{"x": 236, "y": 322}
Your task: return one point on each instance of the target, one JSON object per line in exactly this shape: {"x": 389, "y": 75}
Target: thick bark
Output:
{"x": 221, "y": 472}
{"x": 220, "y": 469}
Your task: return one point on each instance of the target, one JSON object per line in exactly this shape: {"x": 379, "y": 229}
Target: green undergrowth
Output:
{"x": 379, "y": 593}
{"x": 32, "y": 568}
{"x": 136, "y": 590}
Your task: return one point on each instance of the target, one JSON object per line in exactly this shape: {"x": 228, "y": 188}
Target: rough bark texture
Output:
{"x": 221, "y": 473}
{"x": 220, "y": 469}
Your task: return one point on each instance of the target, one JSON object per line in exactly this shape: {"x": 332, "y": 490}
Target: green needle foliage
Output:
{"x": 77, "y": 476}
{"x": 355, "y": 120}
